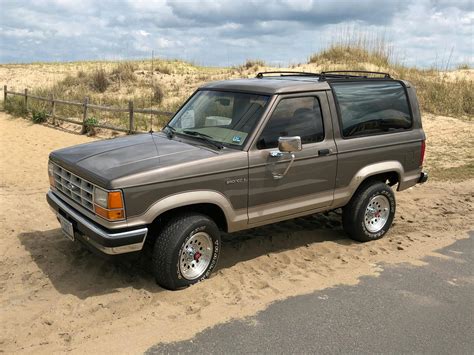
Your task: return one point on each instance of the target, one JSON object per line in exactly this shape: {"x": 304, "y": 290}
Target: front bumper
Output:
{"x": 94, "y": 235}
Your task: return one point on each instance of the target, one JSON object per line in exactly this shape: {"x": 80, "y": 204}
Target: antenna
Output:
{"x": 151, "y": 97}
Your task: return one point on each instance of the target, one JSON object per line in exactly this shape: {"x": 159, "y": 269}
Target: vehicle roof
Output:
{"x": 270, "y": 85}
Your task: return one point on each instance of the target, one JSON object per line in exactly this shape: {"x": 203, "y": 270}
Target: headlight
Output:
{"x": 100, "y": 197}
{"x": 109, "y": 204}
{"x": 51, "y": 173}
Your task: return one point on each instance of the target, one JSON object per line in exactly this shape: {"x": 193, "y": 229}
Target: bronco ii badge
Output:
{"x": 236, "y": 180}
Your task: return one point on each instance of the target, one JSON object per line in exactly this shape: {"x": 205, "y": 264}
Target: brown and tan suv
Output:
{"x": 240, "y": 154}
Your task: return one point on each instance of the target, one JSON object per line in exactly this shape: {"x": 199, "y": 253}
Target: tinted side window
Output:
{"x": 368, "y": 108}
{"x": 299, "y": 116}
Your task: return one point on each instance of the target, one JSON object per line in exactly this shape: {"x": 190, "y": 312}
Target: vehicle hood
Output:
{"x": 103, "y": 162}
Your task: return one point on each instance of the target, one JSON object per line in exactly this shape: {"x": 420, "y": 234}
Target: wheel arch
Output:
{"x": 211, "y": 203}
{"x": 211, "y": 210}
{"x": 387, "y": 171}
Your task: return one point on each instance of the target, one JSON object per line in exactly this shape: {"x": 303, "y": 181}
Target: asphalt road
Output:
{"x": 407, "y": 309}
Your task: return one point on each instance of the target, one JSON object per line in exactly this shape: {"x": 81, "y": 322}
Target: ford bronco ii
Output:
{"x": 240, "y": 154}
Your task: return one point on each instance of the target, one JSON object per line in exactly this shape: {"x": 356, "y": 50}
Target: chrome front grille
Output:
{"x": 74, "y": 187}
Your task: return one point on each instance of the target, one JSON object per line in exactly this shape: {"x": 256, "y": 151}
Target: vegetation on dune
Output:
{"x": 350, "y": 55}
{"x": 114, "y": 87}
{"x": 253, "y": 64}
{"x": 464, "y": 66}
{"x": 115, "y": 84}
{"x": 441, "y": 96}
{"x": 125, "y": 72}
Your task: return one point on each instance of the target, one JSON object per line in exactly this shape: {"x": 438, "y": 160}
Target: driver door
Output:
{"x": 309, "y": 183}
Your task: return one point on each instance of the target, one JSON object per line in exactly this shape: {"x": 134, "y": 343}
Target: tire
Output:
{"x": 186, "y": 240}
{"x": 366, "y": 217}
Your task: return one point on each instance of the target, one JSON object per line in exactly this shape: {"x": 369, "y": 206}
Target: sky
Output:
{"x": 227, "y": 32}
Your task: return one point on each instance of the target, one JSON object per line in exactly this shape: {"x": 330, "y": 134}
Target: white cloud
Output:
{"x": 227, "y": 31}
{"x": 143, "y": 33}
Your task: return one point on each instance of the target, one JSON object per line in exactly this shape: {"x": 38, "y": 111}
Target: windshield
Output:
{"x": 224, "y": 117}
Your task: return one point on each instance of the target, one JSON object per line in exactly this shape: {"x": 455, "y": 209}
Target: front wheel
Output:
{"x": 186, "y": 251}
{"x": 370, "y": 213}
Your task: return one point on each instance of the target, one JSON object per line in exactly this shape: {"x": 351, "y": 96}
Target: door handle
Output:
{"x": 324, "y": 152}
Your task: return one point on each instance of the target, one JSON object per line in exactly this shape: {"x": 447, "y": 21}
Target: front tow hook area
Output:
{"x": 423, "y": 178}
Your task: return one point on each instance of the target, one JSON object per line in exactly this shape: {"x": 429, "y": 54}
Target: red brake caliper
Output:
{"x": 197, "y": 255}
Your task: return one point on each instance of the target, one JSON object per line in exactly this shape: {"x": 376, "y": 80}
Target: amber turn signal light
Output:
{"x": 111, "y": 215}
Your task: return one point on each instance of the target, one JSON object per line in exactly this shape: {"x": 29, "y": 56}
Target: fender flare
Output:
{"x": 343, "y": 195}
{"x": 376, "y": 169}
{"x": 182, "y": 199}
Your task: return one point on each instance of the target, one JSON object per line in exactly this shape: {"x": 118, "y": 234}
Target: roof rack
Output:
{"x": 342, "y": 74}
{"x": 333, "y": 74}
{"x": 286, "y": 73}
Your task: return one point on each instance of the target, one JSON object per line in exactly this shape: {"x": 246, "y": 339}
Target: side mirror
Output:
{"x": 289, "y": 144}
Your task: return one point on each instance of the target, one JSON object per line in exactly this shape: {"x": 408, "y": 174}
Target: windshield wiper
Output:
{"x": 170, "y": 131}
{"x": 195, "y": 133}
{"x": 204, "y": 137}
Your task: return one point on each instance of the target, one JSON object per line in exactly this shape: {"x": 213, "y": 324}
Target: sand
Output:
{"x": 56, "y": 296}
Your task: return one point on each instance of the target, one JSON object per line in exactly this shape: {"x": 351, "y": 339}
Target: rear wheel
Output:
{"x": 186, "y": 251}
{"x": 369, "y": 214}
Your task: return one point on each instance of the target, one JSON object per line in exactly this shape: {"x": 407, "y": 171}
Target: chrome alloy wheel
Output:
{"x": 376, "y": 213}
{"x": 196, "y": 256}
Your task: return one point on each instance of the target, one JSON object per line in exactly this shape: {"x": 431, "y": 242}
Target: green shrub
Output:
{"x": 39, "y": 116}
{"x": 90, "y": 123}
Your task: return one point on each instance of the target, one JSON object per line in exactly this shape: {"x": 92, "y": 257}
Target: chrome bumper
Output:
{"x": 96, "y": 236}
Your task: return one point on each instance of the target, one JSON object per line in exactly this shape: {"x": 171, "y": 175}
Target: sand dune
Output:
{"x": 56, "y": 296}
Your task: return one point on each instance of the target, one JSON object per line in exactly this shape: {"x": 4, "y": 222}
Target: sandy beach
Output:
{"x": 56, "y": 296}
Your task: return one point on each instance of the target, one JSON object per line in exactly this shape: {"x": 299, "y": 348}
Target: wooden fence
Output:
{"x": 85, "y": 106}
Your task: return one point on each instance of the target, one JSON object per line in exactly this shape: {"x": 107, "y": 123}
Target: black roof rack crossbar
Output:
{"x": 345, "y": 74}
{"x": 333, "y": 74}
{"x": 286, "y": 73}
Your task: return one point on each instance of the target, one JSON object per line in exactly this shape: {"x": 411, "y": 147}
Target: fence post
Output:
{"x": 26, "y": 100}
{"x": 4, "y": 97}
{"x": 53, "y": 109}
{"x": 132, "y": 118}
{"x": 84, "y": 115}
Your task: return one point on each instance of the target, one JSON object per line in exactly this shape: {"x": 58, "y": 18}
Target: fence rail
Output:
{"x": 85, "y": 107}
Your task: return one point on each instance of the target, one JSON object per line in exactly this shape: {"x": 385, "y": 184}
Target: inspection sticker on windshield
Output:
{"x": 236, "y": 139}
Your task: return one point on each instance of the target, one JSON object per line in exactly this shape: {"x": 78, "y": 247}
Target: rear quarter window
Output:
{"x": 368, "y": 108}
